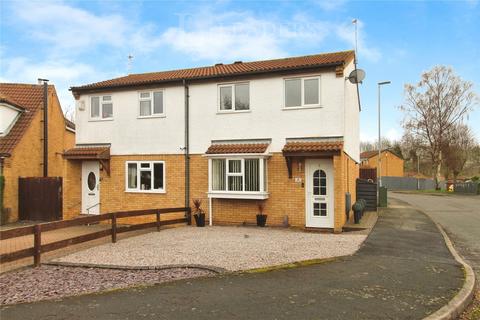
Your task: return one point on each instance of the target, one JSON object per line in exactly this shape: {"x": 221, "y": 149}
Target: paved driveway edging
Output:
{"x": 463, "y": 298}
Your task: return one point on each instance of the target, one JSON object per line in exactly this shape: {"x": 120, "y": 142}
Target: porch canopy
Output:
{"x": 311, "y": 148}
{"x": 238, "y": 147}
{"x": 90, "y": 152}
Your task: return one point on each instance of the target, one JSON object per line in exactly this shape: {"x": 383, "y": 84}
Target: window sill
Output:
{"x": 238, "y": 195}
{"x": 152, "y": 117}
{"x": 100, "y": 120}
{"x": 146, "y": 191}
{"x": 317, "y": 106}
{"x": 231, "y": 112}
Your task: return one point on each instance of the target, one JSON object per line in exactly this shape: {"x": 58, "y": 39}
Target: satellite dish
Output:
{"x": 356, "y": 76}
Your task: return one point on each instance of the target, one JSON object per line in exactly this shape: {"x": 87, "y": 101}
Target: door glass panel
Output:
{"x": 316, "y": 209}
{"x": 323, "y": 209}
{"x": 319, "y": 183}
{"x": 91, "y": 181}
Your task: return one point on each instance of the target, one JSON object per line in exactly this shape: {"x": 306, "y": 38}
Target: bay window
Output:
{"x": 302, "y": 92}
{"x": 145, "y": 176}
{"x": 238, "y": 177}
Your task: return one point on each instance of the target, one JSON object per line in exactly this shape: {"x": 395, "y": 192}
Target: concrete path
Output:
{"x": 403, "y": 271}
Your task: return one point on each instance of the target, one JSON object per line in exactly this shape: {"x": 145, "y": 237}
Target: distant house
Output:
{"x": 21, "y": 139}
{"x": 392, "y": 165}
{"x": 282, "y": 132}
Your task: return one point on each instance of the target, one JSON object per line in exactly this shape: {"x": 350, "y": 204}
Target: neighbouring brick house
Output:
{"x": 392, "y": 165}
{"x": 283, "y": 132}
{"x": 21, "y": 138}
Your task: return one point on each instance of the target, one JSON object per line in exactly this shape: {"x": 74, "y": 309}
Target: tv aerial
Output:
{"x": 357, "y": 75}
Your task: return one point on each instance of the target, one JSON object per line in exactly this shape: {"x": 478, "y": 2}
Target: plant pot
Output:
{"x": 261, "y": 220}
{"x": 199, "y": 219}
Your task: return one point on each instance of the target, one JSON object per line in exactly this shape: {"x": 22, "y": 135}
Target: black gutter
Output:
{"x": 45, "y": 126}
{"x": 187, "y": 149}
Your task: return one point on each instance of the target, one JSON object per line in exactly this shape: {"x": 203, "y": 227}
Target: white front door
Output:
{"x": 319, "y": 193}
{"x": 90, "y": 187}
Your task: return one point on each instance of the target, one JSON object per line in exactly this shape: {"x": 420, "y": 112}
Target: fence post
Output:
{"x": 158, "y": 221}
{"x": 189, "y": 216}
{"x": 114, "y": 227}
{"x": 37, "y": 244}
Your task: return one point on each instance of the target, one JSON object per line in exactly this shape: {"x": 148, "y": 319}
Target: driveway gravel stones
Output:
{"x": 230, "y": 248}
{"x": 54, "y": 282}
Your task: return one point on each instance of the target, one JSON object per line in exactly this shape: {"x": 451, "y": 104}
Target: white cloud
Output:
{"x": 331, "y": 5}
{"x": 217, "y": 36}
{"x": 62, "y": 73}
{"x": 229, "y": 36}
{"x": 393, "y": 134}
{"x": 69, "y": 28}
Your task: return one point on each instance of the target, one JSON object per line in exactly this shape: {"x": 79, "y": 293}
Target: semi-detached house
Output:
{"x": 283, "y": 132}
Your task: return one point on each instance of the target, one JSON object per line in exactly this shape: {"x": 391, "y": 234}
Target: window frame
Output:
{"x": 152, "y": 106}
{"x": 262, "y": 176}
{"x": 139, "y": 169}
{"x": 100, "y": 107}
{"x": 303, "y": 105}
{"x": 232, "y": 86}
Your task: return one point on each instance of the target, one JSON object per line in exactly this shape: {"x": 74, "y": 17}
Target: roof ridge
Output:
{"x": 223, "y": 70}
{"x": 243, "y": 62}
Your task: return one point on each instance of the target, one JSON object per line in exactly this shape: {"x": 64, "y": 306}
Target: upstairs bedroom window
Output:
{"x": 234, "y": 97}
{"x": 145, "y": 176}
{"x": 151, "y": 104}
{"x": 302, "y": 92}
{"x": 243, "y": 178}
{"x": 101, "y": 108}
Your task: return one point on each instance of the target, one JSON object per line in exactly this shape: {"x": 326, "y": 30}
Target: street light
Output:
{"x": 379, "y": 167}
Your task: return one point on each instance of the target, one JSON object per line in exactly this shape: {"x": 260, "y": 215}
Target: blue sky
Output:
{"x": 78, "y": 42}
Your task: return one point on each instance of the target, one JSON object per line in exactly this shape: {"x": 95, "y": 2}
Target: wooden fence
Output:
{"x": 40, "y": 198}
{"x": 39, "y": 248}
{"x": 368, "y": 191}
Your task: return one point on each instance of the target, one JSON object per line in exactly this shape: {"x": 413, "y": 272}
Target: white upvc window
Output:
{"x": 151, "y": 103}
{"x": 238, "y": 177}
{"x": 302, "y": 92}
{"x": 101, "y": 107}
{"x": 234, "y": 97}
{"x": 145, "y": 176}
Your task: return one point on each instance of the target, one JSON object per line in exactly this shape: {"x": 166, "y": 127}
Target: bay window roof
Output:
{"x": 238, "y": 147}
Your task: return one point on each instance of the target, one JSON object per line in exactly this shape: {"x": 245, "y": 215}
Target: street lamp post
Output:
{"x": 379, "y": 166}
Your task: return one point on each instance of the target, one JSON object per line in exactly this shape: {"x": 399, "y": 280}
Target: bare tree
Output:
{"x": 458, "y": 149}
{"x": 433, "y": 107}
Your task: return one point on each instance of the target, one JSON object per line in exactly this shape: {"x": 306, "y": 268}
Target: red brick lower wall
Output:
{"x": 286, "y": 200}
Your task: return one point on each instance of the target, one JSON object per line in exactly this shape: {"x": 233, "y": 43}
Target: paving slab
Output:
{"x": 403, "y": 271}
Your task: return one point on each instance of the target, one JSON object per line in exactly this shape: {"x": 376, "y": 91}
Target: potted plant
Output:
{"x": 199, "y": 215}
{"x": 261, "y": 217}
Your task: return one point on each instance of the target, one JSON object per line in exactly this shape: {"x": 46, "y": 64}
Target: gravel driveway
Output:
{"x": 54, "y": 282}
{"x": 230, "y": 248}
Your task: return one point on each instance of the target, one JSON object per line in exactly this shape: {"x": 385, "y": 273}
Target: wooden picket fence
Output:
{"x": 39, "y": 248}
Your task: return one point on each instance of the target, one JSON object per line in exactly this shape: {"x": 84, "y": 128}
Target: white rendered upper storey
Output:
{"x": 148, "y": 117}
